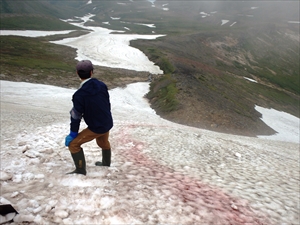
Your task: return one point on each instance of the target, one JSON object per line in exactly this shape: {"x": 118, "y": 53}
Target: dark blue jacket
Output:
{"x": 91, "y": 101}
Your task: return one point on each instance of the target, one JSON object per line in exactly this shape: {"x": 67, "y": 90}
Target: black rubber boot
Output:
{"x": 79, "y": 161}
{"x": 106, "y": 157}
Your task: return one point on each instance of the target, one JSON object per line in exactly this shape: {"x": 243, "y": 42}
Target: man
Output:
{"x": 90, "y": 102}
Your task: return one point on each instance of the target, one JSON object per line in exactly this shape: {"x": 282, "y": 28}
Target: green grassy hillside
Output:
{"x": 205, "y": 62}
{"x": 49, "y": 8}
{"x": 33, "y": 22}
{"x": 38, "y": 14}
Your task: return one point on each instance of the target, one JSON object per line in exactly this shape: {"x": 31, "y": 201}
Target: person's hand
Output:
{"x": 70, "y": 138}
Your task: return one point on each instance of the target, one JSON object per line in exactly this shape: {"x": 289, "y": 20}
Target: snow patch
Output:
{"x": 285, "y": 124}
{"x": 32, "y": 33}
{"x": 224, "y": 22}
{"x": 232, "y": 24}
{"x": 115, "y": 18}
{"x": 247, "y": 78}
{"x": 204, "y": 14}
{"x": 111, "y": 50}
{"x": 294, "y": 22}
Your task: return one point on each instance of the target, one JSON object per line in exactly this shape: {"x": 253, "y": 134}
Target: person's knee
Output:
{"x": 104, "y": 145}
{"x": 73, "y": 148}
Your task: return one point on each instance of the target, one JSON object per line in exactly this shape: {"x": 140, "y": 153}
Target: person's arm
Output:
{"x": 76, "y": 117}
{"x": 74, "y": 126}
{"x": 75, "y": 120}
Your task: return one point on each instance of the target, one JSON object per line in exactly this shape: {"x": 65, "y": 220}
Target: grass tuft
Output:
{"x": 163, "y": 94}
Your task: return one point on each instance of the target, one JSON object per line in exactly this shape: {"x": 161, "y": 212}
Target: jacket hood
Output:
{"x": 91, "y": 87}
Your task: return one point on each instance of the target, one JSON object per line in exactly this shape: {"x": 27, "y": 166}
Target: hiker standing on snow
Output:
{"x": 90, "y": 102}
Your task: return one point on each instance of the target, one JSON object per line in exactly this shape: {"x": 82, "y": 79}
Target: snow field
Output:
{"x": 161, "y": 172}
{"x": 32, "y": 33}
{"x": 135, "y": 189}
{"x": 111, "y": 50}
